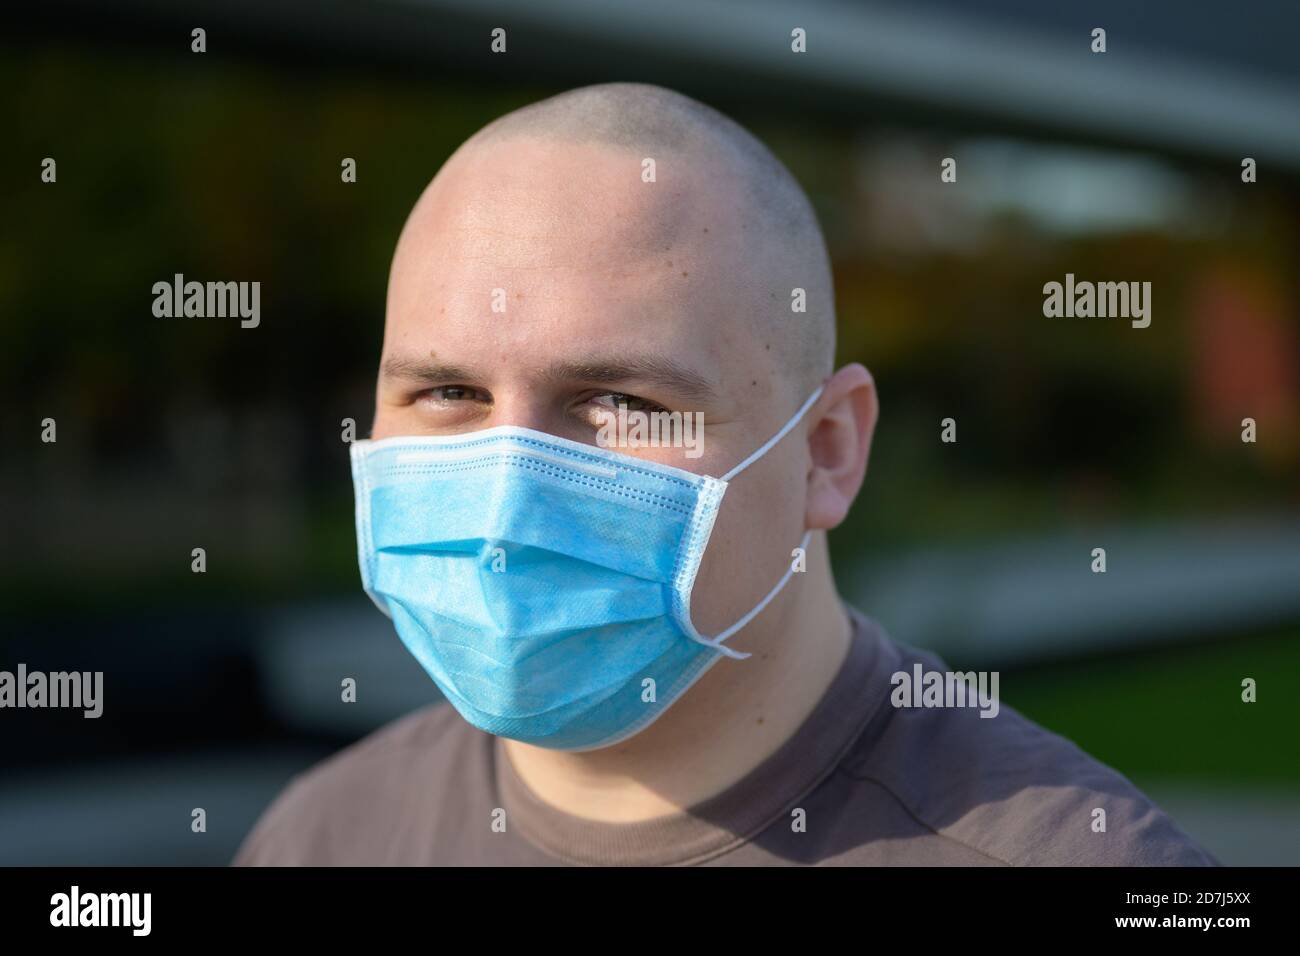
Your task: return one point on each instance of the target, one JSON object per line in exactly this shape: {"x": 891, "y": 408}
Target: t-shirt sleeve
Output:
{"x": 274, "y": 840}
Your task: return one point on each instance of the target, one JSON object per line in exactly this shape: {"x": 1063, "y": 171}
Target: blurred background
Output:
{"x": 1072, "y": 433}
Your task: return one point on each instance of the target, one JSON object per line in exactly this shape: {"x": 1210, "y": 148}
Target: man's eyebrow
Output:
{"x": 402, "y": 366}
{"x": 653, "y": 370}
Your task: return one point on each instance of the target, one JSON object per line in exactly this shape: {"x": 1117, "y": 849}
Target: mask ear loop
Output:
{"x": 785, "y": 430}
{"x": 717, "y": 642}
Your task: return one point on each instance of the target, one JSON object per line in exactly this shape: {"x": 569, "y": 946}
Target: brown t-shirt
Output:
{"x": 861, "y": 782}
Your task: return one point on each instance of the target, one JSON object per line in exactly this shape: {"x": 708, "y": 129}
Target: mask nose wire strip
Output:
{"x": 738, "y": 655}
{"x": 785, "y": 430}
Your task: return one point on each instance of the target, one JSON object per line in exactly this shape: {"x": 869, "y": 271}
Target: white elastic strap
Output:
{"x": 785, "y": 430}
{"x": 716, "y": 643}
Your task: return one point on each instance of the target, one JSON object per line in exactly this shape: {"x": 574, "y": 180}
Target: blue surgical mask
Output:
{"x": 544, "y": 584}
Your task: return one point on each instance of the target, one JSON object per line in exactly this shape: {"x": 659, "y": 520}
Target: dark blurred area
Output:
{"x": 177, "y": 433}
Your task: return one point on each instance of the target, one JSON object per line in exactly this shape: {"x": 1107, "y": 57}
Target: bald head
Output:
{"x": 764, "y": 241}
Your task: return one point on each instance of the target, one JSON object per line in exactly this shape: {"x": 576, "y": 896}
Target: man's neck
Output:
{"x": 736, "y": 716}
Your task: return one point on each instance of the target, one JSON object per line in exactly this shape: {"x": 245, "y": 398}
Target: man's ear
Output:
{"x": 839, "y": 442}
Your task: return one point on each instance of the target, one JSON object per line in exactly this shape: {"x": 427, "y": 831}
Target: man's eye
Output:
{"x": 613, "y": 400}
{"x": 455, "y": 393}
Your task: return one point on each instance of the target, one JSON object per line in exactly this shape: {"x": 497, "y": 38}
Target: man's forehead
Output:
{"x": 563, "y": 251}
{"x": 551, "y": 328}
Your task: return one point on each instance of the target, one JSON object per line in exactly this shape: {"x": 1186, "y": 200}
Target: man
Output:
{"x": 640, "y": 668}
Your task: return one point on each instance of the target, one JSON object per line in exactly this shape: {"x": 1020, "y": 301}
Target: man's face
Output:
{"x": 616, "y": 291}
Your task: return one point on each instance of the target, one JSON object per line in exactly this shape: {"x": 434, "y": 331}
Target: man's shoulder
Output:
{"x": 1007, "y": 787}
{"x": 350, "y": 806}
